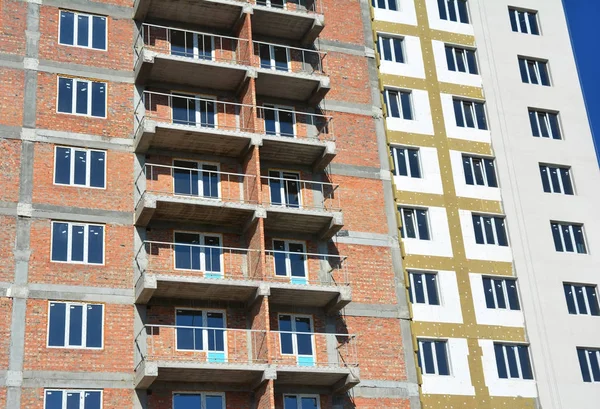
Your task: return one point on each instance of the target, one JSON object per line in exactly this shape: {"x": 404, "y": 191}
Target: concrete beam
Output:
{"x": 145, "y": 374}
{"x": 145, "y": 288}
{"x": 65, "y": 379}
{"x": 144, "y": 210}
{"x": 313, "y": 33}
{"x": 347, "y": 383}
{"x": 267, "y": 375}
{"x": 341, "y": 301}
{"x": 326, "y": 157}
{"x": 335, "y": 225}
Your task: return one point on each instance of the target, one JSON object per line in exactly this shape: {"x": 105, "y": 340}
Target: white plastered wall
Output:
{"x": 459, "y": 381}
{"x": 449, "y": 309}
{"x": 413, "y": 59}
{"x": 421, "y": 122}
{"x": 440, "y": 244}
{"x": 492, "y": 316}
{"x": 453, "y": 77}
{"x": 453, "y": 131}
{"x": 406, "y": 15}
{"x": 473, "y": 191}
{"x": 431, "y": 179}
{"x": 476, "y": 251}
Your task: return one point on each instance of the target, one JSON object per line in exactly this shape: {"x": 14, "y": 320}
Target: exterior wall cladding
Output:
{"x": 199, "y": 208}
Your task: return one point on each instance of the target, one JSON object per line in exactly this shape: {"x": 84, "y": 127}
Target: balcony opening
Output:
{"x": 193, "y": 111}
{"x": 297, "y": 339}
{"x": 290, "y": 261}
{"x": 196, "y": 179}
{"x": 199, "y": 252}
{"x": 202, "y": 331}
{"x": 280, "y": 121}
{"x": 285, "y": 189}
{"x": 192, "y": 45}
{"x": 274, "y": 57}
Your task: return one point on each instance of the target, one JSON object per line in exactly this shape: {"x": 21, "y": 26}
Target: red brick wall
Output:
{"x": 337, "y": 23}
{"x": 10, "y": 167}
{"x": 13, "y": 22}
{"x": 362, "y": 203}
{"x": 116, "y": 356}
{"x": 117, "y": 271}
{"x": 11, "y": 96}
{"x": 7, "y": 244}
{"x": 6, "y": 317}
{"x": 356, "y": 143}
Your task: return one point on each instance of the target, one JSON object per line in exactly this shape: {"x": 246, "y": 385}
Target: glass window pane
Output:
{"x": 451, "y": 10}
{"x": 73, "y": 400}
{"x": 542, "y": 119}
{"x": 534, "y": 124}
{"x": 94, "y": 326}
{"x": 462, "y": 11}
{"x": 450, "y": 58}
{"x": 387, "y": 48}
{"x": 460, "y": 60}
{"x": 212, "y": 254}
{"x": 522, "y": 21}
{"x": 65, "y": 95}
{"x": 442, "y": 9}
{"x": 181, "y": 44}
{"x": 401, "y": 159}
{"x": 524, "y": 360}
{"x": 67, "y": 27}
{"x": 286, "y": 123}
{"x": 481, "y": 119}
{"x": 77, "y": 243}
{"x": 556, "y": 236}
{"x": 187, "y": 401}
{"x": 513, "y": 20}
{"x": 83, "y": 30}
{"x": 523, "y": 70}
{"x": 585, "y": 370}
{"x": 309, "y": 403}
{"x": 469, "y": 180}
{"x": 393, "y": 107}
{"x": 593, "y": 358}
{"x": 62, "y": 168}
{"x": 489, "y": 231}
{"x": 478, "y": 172}
{"x": 554, "y": 179}
{"x": 513, "y": 295}
{"x": 81, "y": 99}
{"x": 92, "y": 399}
{"x": 76, "y": 325}
{"x": 488, "y": 291}
{"x": 544, "y": 77}
{"x": 186, "y": 181}
{"x": 511, "y": 357}
{"x": 60, "y": 232}
{"x": 419, "y": 288}
{"x": 98, "y": 99}
{"x": 458, "y": 113}
{"x": 545, "y": 179}
{"x": 469, "y": 118}
{"x": 592, "y": 299}
{"x": 210, "y": 181}
{"x": 57, "y": 324}
{"x": 406, "y": 105}
{"x": 54, "y": 400}
{"x": 533, "y": 23}
{"x": 80, "y": 166}
{"x": 99, "y": 34}
{"x": 570, "y": 298}
{"x": 392, "y": 5}
{"x": 501, "y": 231}
{"x": 580, "y": 300}
{"x": 409, "y": 223}
{"x": 442, "y": 358}
{"x": 498, "y": 288}
{"x": 427, "y": 347}
{"x": 423, "y": 224}
{"x": 285, "y": 325}
{"x": 216, "y": 338}
{"x": 478, "y": 228}
{"x": 213, "y": 402}
{"x": 413, "y": 161}
{"x": 431, "y": 281}
{"x": 96, "y": 244}
{"x": 566, "y": 181}
{"x": 290, "y": 402}
{"x": 280, "y": 258}
{"x": 472, "y": 62}
{"x": 566, "y": 234}
{"x": 579, "y": 241}
{"x": 554, "y": 127}
{"x": 398, "y": 52}
{"x": 97, "y": 169}
{"x": 490, "y": 173}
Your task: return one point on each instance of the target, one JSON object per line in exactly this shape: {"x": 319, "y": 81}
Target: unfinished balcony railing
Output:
{"x": 287, "y": 59}
{"x": 287, "y": 191}
{"x": 305, "y": 6}
{"x": 293, "y": 266}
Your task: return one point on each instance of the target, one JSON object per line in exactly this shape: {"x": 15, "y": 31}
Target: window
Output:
{"x": 274, "y": 57}
{"x": 513, "y": 361}
{"x": 201, "y": 331}
{"x": 423, "y": 288}
{"x": 433, "y": 357}
{"x": 280, "y": 120}
{"x": 544, "y": 124}
{"x": 82, "y": 30}
{"x": 290, "y": 260}
{"x": 522, "y": 21}
{"x": 479, "y": 171}
{"x": 501, "y": 293}
{"x": 470, "y": 114}
{"x": 582, "y": 299}
{"x": 193, "y": 111}
{"x": 203, "y": 400}
{"x": 454, "y": 10}
{"x": 196, "y": 179}
{"x": 568, "y": 237}
{"x": 272, "y": 3}
{"x": 77, "y": 243}
{"x": 589, "y": 361}
{"x": 398, "y": 104}
{"x": 192, "y": 45}
{"x": 81, "y": 97}
{"x": 391, "y": 48}
{"x": 534, "y": 71}
{"x": 199, "y": 252}
{"x": 75, "y": 325}
{"x": 79, "y": 167}
{"x": 296, "y": 338}
{"x": 407, "y": 162}
{"x": 285, "y": 188}
{"x": 556, "y": 179}
{"x": 301, "y": 402}
{"x": 391, "y": 5}
{"x": 415, "y": 224}
{"x": 490, "y": 230}
{"x": 461, "y": 60}
{"x": 72, "y": 399}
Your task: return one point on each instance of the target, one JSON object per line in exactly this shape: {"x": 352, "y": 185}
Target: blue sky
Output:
{"x": 585, "y": 35}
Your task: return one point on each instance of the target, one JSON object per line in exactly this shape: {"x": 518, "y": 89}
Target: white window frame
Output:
{"x": 546, "y": 119}
{"x": 413, "y": 290}
{"x": 72, "y": 167}
{"x": 268, "y": 4}
{"x": 299, "y": 397}
{"x": 571, "y": 235}
{"x": 276, "y": 109}
{"x": 399, "y": 102}
{"x": 295, "y": 334}
{"x": 272, "y": 62}
{"x": 282, "y": 187}
{"x": 76, "y": 30}
{"x": 434, "y": 356}
{"x": 587, "y": 351}
{"x": 197, "y": 101}
{"x": 471, "y": 108}
{"x": 202, "y": 397}
{"x": 84, "y": 306}
{"x": 395, "y": 157}
{"x": 202, "y": 238}
{"x": 86, "y": 233}
{"x": 517, "y": 360}
{"x": 82, "y": 393}
{"x": 199, "y": 169}
{"x": 384, "y": 36}
{"x": 456, "y": 10}
{"x": 464, "y": 58}
{"x": 538, "y": 77}
{"x": 472, "y": 160}
{"x": 504, "y": 293}
{"x": 195, "y": 46}
{"x": 387, "y": 5}
{"x": 548, "y": 168}
{"x": 403, "y": 210}
{"x": 286, "y": 250}
{"x": 494, "y": 232}
{"x": 514, "y": 11}
{"x": 89, "y": 97}
{"x": 585, "y": 297}
{"x": 204, "y": 328}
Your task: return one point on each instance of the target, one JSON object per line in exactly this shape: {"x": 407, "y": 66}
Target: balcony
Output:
{"x": 191, "y": 58}
{"x": 191, "y": 124}
{"x": 307, "y": 279}
{"x": 299, "y": 20}
{"x": 294, "y": 137}
{"x": 312, "y": 359}
{"x": 199, "y": 195}
{"x": 190, "y": 271}
{"x": 218, "y": 14}
{"x": 202, "y": 125}
{"x": 290, "y": 73}
{"x": 300, "y": 206}
{"x": 197, "y": 354}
